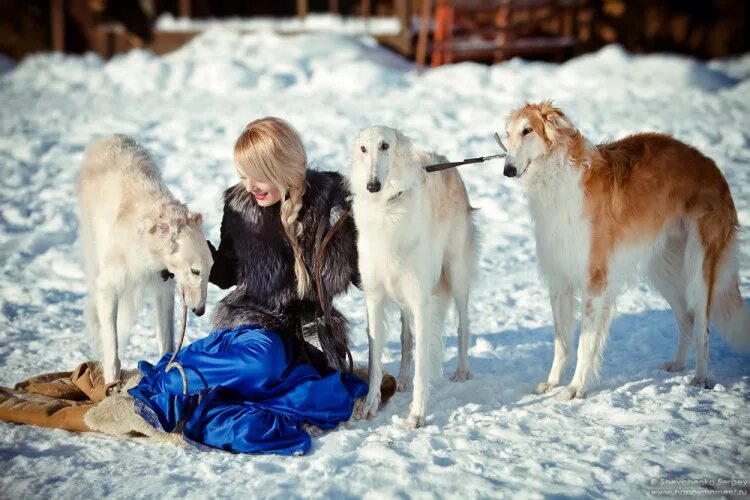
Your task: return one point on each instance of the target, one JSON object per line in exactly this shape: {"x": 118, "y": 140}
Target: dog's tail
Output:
{"x": 728, "y": 311}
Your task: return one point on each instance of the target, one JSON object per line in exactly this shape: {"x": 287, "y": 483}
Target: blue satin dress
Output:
{"x": 246, "y": 394}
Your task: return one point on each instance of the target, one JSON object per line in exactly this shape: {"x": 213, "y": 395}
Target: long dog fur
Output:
{"x": 602, "y": 212}
{"x": 132, "y": 229}
{"x": 417, "y": 247}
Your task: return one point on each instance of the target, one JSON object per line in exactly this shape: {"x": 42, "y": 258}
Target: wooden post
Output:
{"x": 184, "y": 8}
{"x": 424, "y": 27}
{"x": 402, "y": 13}
{"x": 302, "y": 9}
{"x": 57, "y": 20}
{"x": 442, "y": 50}
{"x": 366, "y": 8}
{"x": 333, "y": 6}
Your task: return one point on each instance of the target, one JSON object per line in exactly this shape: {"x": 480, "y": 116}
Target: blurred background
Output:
{"x": 432, "y": 32}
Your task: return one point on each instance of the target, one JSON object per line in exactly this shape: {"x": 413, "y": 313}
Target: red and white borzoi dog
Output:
{"x": 602, "y": 211}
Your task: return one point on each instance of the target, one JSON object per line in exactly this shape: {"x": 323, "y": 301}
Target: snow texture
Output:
{"x": 488, "y": 437}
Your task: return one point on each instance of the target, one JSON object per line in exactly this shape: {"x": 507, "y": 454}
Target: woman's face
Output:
{"x": 265, "y": 194}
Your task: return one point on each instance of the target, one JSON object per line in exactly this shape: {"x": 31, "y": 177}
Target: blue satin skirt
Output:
{"x": 245, "y": 394}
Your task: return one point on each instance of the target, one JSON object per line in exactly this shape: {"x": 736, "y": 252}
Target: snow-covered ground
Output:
{"x": 488, "y": 437}
{"x": 312, "y": 22}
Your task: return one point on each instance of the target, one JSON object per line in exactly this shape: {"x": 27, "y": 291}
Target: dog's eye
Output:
{"x": 195, "y": 272}
{"x": 385, "y": 146}
{"x": 526, "y": 131}
{"x": 364, "y": 149}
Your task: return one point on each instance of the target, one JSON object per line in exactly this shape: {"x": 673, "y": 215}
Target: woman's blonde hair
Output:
{"x": 270, "y": 150}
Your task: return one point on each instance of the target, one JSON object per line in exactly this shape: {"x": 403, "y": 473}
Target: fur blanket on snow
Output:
{"x": 81, "y": 401}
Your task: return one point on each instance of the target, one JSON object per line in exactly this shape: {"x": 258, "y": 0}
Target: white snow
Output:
{"x": 487, "y": 437}
{"x": 314, "y": 21}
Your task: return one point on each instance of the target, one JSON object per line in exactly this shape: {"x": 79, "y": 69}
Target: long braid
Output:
{"x": 269, "y": 150}
{"x": 290, "y": 209}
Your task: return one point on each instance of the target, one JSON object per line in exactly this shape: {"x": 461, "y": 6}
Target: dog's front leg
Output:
{"x": 597, "y": 316}
{"x": 375, "y": 301}
{"x": 562, "y": 300}
{"x": 164, "y": 315}
{"x": 421, "y": 314}
{"x": 106, "y": 305}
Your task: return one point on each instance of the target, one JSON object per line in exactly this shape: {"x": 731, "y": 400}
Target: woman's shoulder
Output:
{"x": 238, "y": 199}
{"x": 326, "y": 191}
{"x": 326, "y": 181}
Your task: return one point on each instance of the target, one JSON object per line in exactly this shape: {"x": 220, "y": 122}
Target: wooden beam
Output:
{"x": 57, "y": 20}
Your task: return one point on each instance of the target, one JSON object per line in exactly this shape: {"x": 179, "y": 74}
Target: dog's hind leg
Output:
{"x": 459, "y": 271}
{"x": 562, "y": 299}
{"x": 666, "y": 274}
{"x": 460, "y": 291}
{"x": 164, "y": 315}
{"x": 698, "y": 260}
{"x": 375, "y": 302}
{"x": 106, "y": 305}
{"x": 407, "y": 346}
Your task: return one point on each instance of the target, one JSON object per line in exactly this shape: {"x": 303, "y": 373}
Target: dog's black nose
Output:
{"x": 373, "y": 186}
{"x": 199, "y": 311}
{"x": 510, "y": 171}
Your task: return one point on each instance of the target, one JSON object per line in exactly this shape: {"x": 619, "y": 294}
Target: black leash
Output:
{"x": 444, "y": 166}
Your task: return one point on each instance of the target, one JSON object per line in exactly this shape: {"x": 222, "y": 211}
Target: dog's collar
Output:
{"x": 165, "y": 274}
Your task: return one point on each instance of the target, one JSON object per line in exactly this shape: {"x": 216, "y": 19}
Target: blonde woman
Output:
{"x": 278, "y": 357}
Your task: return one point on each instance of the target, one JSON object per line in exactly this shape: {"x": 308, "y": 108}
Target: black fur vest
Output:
{"x": 255, "y": 255}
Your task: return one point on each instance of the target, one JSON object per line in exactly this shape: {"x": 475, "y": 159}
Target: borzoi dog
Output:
{"x": 417, "y": 247}
{"x": 602, "y": 212}
{"x": 135, "y": 234}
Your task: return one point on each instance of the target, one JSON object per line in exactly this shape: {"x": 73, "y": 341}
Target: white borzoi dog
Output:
{"x": 602, "y": 212}
{"x": 134, "y": 235}
{"x": 417, "y": 247}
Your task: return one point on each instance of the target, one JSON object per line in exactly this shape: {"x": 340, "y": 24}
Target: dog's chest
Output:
{"x": 562, "y": 231}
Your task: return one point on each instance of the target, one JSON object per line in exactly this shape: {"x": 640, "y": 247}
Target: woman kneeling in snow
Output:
{"x": 278, "y": 359}
{"x": 279, "y": 356}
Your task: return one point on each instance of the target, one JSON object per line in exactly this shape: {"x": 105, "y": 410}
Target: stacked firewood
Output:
{"x": 706, "y": 28}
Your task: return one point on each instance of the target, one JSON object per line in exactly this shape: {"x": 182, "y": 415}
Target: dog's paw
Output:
{"x": 404, "y": 383}
{"x": 461, "y": 375}
{"x": 700, "y": 382}
{"x": 673, "y": 366}
{"x": 369, "y": 407}
{"x": 415, "y": 421}
{"x": 544, "y": 388}
{"x": 568, "y": 393}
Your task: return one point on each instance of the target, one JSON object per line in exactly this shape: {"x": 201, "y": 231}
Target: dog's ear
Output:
{"x": 160, "y": 227}
{"x": 403, "y": 145}
{"x": 195, "y": 219}
{"x": 554, "y": 120}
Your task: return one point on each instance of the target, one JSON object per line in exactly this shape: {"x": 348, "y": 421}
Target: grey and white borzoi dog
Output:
{"x": 417, "y": 247}
{"x": 133, "y": 233}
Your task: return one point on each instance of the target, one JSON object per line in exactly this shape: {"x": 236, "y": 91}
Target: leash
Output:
{"x": 452, "y": 164}
{"x": 175, "y": 364}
